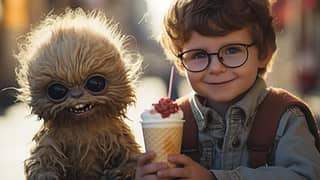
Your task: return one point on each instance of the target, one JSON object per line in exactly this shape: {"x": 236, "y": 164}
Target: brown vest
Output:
{"x": 264, "y": 127}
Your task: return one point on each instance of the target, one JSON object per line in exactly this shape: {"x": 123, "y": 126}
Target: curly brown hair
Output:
{"x": 218, "y": 18}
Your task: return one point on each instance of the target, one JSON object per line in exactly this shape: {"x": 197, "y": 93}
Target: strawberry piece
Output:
{"x": 165, "y": 107}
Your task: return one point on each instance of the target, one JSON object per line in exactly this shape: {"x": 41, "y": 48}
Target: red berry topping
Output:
{"x": 165, "y": 107}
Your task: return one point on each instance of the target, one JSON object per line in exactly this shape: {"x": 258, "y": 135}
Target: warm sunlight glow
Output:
{"x": 156, "y": 9}
{"x": 1, "y": 10}
{"x": 16, "y": 15}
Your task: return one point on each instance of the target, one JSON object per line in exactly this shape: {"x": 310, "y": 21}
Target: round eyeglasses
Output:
{"x": 230, "y": 55}
{"x": 57, "y": 92}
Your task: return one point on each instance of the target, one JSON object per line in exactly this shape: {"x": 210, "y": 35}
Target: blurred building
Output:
{"x": 13, "y": 20}
{"x": 18, "y": 16}
{"x": 297, "y": 62}
{"x": 296, "y": 67}
{"x": 298, "y": 40}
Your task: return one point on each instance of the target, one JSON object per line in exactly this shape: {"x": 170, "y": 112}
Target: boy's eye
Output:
{"x": 96, "y": 84}
{"x": 231, "y": 50}
{"x": 199, "y": 55}
{"x": 195, "y": 55}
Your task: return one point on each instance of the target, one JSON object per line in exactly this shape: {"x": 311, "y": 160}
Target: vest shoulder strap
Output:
{"x": 263, "y": 130}
{"x": 190, "y": 143}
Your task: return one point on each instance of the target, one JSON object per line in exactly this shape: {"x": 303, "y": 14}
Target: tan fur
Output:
{"x": 68, "y": 48}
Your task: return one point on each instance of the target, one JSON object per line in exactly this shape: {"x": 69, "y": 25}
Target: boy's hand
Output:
{"x": 147, "y": 170}
{"x": 189, "y": 170}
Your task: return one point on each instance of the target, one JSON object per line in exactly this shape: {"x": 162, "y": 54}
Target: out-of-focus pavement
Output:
{"x": 17, "y": 128}
{"x": 16, "y": 131}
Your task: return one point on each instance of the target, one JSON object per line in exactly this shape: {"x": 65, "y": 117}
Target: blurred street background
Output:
{"x": 296, "y": 68}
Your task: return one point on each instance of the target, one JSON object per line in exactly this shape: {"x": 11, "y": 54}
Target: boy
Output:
{"x": 225, "y": 47}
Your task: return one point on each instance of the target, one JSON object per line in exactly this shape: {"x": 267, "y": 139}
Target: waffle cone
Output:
{"x": 163, "y": 141}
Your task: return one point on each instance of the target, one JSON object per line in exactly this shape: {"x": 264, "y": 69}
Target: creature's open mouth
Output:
{"x": 81, "y": 108}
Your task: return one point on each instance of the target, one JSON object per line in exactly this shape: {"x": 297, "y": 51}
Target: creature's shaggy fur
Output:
{"x": 96, "y": 144}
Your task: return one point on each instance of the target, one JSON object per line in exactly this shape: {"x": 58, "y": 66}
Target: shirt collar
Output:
{"x": 249, "y": 102}
{"x": 246, "y": 105}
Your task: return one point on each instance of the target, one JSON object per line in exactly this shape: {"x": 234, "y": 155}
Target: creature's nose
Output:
{"x": 76, "y": 93}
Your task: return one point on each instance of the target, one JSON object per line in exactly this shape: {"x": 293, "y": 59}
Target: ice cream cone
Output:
{"x": 163, "y": 138}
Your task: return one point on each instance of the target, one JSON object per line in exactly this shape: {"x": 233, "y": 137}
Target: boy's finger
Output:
{"x": 150, "y": 177}
{"x": 154, "y": 177}
{"x": 152, "y": 168}
{"x": 173, "y": 172}
{"x": 179, "y": 159}
{"x": 145, "y": 158}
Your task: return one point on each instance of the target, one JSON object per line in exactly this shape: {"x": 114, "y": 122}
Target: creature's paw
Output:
{"x": 45, "y": 176}
{"x": 116, "y": 175}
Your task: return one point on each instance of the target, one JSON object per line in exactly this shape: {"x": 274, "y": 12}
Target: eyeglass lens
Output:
{"x": 232, "y": 55}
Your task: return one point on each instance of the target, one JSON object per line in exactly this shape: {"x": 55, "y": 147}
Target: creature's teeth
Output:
{"x": 81, "y": 108}
{"x": 78, "y": 106}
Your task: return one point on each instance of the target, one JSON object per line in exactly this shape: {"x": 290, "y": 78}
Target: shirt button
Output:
{"x": 236, "y": 142}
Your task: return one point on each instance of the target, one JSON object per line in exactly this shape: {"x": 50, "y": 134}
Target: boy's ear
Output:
{"x": 265, "y": 59}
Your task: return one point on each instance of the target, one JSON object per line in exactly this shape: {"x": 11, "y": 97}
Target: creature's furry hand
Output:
{"x": 44, "y": 176}
{"x": 116, "y": 174}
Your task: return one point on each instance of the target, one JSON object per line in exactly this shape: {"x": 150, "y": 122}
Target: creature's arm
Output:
{"x": 46, "y": 161}
{"x": 125, "y": 159}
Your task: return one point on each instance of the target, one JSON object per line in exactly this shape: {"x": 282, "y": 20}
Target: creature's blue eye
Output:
{"x": 96, "y": 84}
{"x": 57, "y": 91}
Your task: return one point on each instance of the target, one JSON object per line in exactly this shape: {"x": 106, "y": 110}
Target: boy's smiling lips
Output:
{"x": 220, "y": 82}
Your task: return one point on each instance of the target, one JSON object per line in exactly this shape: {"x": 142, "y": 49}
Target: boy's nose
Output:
{"x": 216, "y": 66}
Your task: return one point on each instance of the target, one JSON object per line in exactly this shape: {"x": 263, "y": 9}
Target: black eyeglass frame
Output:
{"x": 180, "y": 56}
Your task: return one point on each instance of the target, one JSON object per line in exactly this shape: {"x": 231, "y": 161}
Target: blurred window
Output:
{"x": 16, "y": 15}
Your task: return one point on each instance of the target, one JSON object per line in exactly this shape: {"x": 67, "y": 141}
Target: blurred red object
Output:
{"x": 309, "y": 5}
{"x": 307, "y": 71}
{"x": 281, "y": 14}
{"x": 306, "y": 81}
{"x": 284, "y": 11}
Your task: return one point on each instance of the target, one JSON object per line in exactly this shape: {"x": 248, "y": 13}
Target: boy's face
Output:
{"x": 217, "y": 82}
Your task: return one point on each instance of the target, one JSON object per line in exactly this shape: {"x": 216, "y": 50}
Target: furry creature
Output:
{"x": 77, "y": 74}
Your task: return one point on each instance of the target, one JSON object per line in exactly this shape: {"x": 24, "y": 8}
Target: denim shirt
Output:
{"x": 222, "y": 141}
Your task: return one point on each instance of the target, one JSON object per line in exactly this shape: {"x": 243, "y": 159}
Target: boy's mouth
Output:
{"x": 220, "y": 82}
